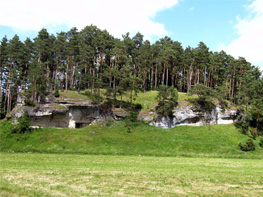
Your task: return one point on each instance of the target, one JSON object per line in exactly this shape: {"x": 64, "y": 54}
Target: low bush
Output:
{"x": 138, "y": 106}
{"x": 29, "y": 103}
{"x": 23, "y": 124}
{"x": 56, "y": 94}
{"x": 132, "y": 117}
{"x": 130, "y": 120}
{"x": 248, "y": 146}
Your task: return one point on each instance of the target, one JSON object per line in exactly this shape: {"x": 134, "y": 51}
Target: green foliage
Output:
{"x": 56, "y": 93}
{"x": 243, "y": 120}
{"x": 261, "y": 142}
{"x": 2, "y": 111}
{"x": 256, "y": 120}
{"x": 95, "y": 96}
{"x": 130, "y": 120}
{"x": 248, "y": 146}
{"x": 137, "y": 106}
{"x": 167, "y": 99}
{"x": 23, "y": 124}
{"x": 29, "y": 103}
{"x": 132, "y": 117}
{"x": 205, "y": 97}
{"x": 220, "y": 141}
{"x": 108, "y": 123}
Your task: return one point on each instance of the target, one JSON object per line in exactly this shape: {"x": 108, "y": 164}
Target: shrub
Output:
{"x": 29, "y": 103}
{"x": 95, "y": 97}
{"x": 108, "y": 123}
{"x": 57, "y": 94}
{"x": 253, "y": 133}
{"x": 132, "y": 117}
{"x": 261, "y": 142}
{"x": 138, "y": 106}
{"x": 248, "y": 146}
{"x": 23, "y": 124}
{"x": 130, "y": 120}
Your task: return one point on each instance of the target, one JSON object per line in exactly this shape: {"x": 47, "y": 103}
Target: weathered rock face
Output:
{"x": 191, "y": 116}
{"x": 79, "y": 113}
{"x": 72, "y": 117}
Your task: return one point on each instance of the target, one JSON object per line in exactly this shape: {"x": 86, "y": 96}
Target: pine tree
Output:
{"x": 167, "y": 99}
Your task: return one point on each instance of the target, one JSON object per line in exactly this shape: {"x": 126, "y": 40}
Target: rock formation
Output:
{"x": 68, "y": 113}
{"x": 191, "y": 116}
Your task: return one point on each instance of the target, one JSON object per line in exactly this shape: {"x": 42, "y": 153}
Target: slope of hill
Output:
{"x": 112, "y": 138}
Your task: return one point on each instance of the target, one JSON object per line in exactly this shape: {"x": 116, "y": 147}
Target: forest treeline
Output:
{"x": 93, "y": 59}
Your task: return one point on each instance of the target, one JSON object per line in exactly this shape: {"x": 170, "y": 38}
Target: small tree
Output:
{"x": 167, "y": 99}
{"x": 130, "y": 119}
{"x": 24, "y": 124}
{"x": 56, "y": 93}
{"x": 205, "y": 95}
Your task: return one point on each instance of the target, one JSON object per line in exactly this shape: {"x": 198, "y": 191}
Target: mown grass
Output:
{"x": 112, "y": 138}
{"x": 24, "y": 174}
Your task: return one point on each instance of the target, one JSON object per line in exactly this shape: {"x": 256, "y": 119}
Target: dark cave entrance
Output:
{"x": 79, "y": 125}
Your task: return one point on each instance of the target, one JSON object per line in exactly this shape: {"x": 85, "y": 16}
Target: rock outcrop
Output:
{"x": 194, "y": 117}
{"x": 72, "y": 116}
{"x": 77, "y": 113}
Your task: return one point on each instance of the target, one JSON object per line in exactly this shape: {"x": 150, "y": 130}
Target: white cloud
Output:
{"x": 117, "y": 16}
{"x": 249, "y": 43}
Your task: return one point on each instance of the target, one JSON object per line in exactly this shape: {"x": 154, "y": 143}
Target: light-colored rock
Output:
{"x": 190, "y": 116}
{"x": 72, "y": 117}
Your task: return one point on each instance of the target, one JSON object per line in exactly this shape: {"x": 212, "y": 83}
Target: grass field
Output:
{"x": 147, "y": 99}
{"x": 75, "y": 175}
{"x": 112, "y": 138}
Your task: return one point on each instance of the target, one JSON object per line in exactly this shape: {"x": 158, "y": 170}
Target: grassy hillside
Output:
{"x": 112, "y": 138}
{"x": 35, "y": 174}
{"x": 147, "y": 99}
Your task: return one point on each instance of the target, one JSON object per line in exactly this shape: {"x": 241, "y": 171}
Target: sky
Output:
{"x": 235, "y": 26}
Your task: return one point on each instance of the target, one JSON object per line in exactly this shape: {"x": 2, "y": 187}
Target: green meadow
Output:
{"x": 108, "y": 159}
{"x": 34, "y": 174}
{"x": 112, "y": 138}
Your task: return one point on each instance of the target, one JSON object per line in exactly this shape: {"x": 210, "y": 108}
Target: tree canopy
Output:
{"x": 93, "y": 59}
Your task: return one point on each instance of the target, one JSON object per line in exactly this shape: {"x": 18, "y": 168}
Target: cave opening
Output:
{"x": 79, "y": 125}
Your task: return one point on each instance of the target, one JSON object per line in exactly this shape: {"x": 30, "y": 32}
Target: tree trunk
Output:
{"x": 173, "y": 71}
{"x": 230, "y": 85}
{"x": 1, "y": 79}
{"x": 66, "y": 76}
{"x": 72, "y": 75}
{"x": 9, "y": 81}
{"x": 163, "y": 74}
{"x": 5, "y": 101}
{"x": 233, "y": 83}
{"x": 110, "y": 78}
{"x": 205, "y": 83}
{"x": 156, "y": 73}
{"x": 47, "y": 76}
{"x": 151, "y": 78}
{"x": 92, "y": 85}
{"x": 55, "y": 76}
{"x": 167, "y": 75}
{"x": 9, "y": 99}
{"x": 198, "y": 72}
